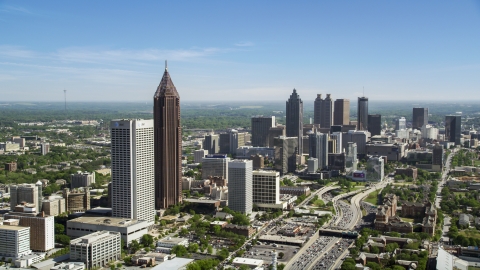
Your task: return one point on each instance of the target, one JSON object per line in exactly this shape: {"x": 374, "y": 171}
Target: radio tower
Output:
{"x": 65, "y": 95}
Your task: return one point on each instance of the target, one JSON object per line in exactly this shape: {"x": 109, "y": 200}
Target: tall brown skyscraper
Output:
{"x": 341, "y": 113}
{"x": 168, "y": 144}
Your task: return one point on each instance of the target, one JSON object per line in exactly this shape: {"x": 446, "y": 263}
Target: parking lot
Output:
{"x": 264, "y": 252}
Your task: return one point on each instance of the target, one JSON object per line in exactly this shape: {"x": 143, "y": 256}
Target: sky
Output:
{"x": 239, "y": 50}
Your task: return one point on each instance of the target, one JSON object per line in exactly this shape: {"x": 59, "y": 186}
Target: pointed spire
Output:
{"x": 166, "y": 86}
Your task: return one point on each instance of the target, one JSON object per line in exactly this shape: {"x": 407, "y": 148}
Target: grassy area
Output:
{"x": 477, "y": 162}
{"x": 470, "y": 233}
{"x": 372, "y": 198}
{"x": 408, "y": 219}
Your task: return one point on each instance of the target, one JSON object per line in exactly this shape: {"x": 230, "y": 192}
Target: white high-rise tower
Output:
{"x": 133, "y": 178}
{"x": 240, "y": 186}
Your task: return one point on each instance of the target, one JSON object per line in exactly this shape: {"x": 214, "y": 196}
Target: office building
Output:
{"x": 96, "y": 249}
{"x": 393, "y": 151}
{"x": 429, "y": 132}
{"x": 358, "y": 137}
{"x": 167, "y": 144}
{"x": 224, "y": 143}
{"x": 323, "y": 111}
{"x": 69, "y": 266}
{"x": 362, "y": 113}
{"x": 15, "y": 241}
{"x": 11, "y": 166}
{"x": 375, "y": 168}
{"x": 82, "y": 179}
{"x": 453, "y": 132}
{"x": 54, "y": 205}
{"x": 437, "y": 155}
{"x": 258, "y": 161}
{"x": 236, "y": 140}
{"x": 129, "y": 229}
{"x": 20, "y": 141}
{"x": 266, "y": 189}
{"x": 42, "y": 229}
{"x": 211, "y": 143}
{"x": 341, "y": 112}
{"x": 215, "y": 166}
{"x": 351, "y": 157}
{"x": 44, "y": 148}
{"x": 285, "y": 154}
{"x": 332, "y": 146}
{"x": 77, "y": 200}
{"x": 275, "y": 132}
{"x": 294, "y": 119}
{"x": 26, "y": 193}
{"x": 240, "y": 184}
{"x": 400, "y": 123}
{"x": 375, "y": 124}
{"x": 260, "y": 127}
{"x": 337, "y": 136}
{"x": 337, "y": 162}
{"x": 199, "y": 155}
{"x": 312, "y": 164}
{"x": 318, "y": 148}
{"x": 133, "y": 176}
{"x": 419, "y": 118}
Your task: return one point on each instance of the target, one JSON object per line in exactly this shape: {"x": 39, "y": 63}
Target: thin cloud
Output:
{"x": 244, "y": 44}
{"x": 16, "y": 52}
{"x": 14, "y": 9}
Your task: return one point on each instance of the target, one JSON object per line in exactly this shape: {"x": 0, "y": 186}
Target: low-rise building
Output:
{"x": 96, "y": 249}
{"x": 252, "y": 263}
{"x": 170, "y": 242}
{"x": 129, "y": 229}
{"x": 69, "y": 266}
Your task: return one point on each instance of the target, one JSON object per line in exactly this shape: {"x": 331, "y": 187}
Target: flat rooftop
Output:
{"x": 107, "y": 221}
{"x": 172, "y": 240}
{"x": 12, "y": 227}
{"x": 247, "y": 261}
{"x": 175, "y": 264}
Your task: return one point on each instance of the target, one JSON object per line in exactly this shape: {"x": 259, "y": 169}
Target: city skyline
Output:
{"x": 402, "y": 51}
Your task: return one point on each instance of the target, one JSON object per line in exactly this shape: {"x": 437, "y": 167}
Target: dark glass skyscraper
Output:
{"x": 167, "y": 144}
{"x": 294, "y": 119}
{"x": 375, "y": 124}
{"x": 453, "y": 128}
{"x": 362, "y": 113}
{"x": 420, "y": 118}
{"x": 260, "y": 127}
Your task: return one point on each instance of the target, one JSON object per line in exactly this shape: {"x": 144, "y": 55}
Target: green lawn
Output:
{"x": 372, "y": 198}
{"x": 477, "y": 162}
{"x": 470, "y": 233}
{"x": 408, "y": 219}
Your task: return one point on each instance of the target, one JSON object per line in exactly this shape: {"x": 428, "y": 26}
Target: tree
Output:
{"x": 134, "y": 246}
{"x": 59, "y": 229}
{"x": 216, "y": 229}
{"x": 244, "y": 267}
{"x": 209, "y": 249}
{"x": 280, "y": 255}
{"x": 62, "y": 239}
{"x": 180, "y": 250}
{"x": 223, "y": 254}
{"x": 193, "y": 247}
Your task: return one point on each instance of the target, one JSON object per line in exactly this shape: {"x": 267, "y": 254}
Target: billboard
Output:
{"x": 359, "y": 174}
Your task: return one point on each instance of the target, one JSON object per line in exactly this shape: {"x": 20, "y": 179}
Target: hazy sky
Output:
{"x": 239, "y": 50}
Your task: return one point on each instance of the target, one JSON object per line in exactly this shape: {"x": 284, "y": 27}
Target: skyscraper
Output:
{"x": 400, "y": 123}
{"x": 294, "y": 119}
{"x": 168, "y": 144}
{"x": 375, "y": 124}
{"x": 323, "y": 111}
{"x": 341, "y": 112}
{"x": 362, "y": 113}
{"x": 318, "y": 148}
{"x": 240, "y": 198}
{"x": 133, "y": 174}
{"x": 420, "y": 118}
{"x": 266, "y": 189}
{"x": 453, "y": 125}
{"x": 260, "y": 127}
{"x": 211, "y": 143}
{"x": 285, "y": 154}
